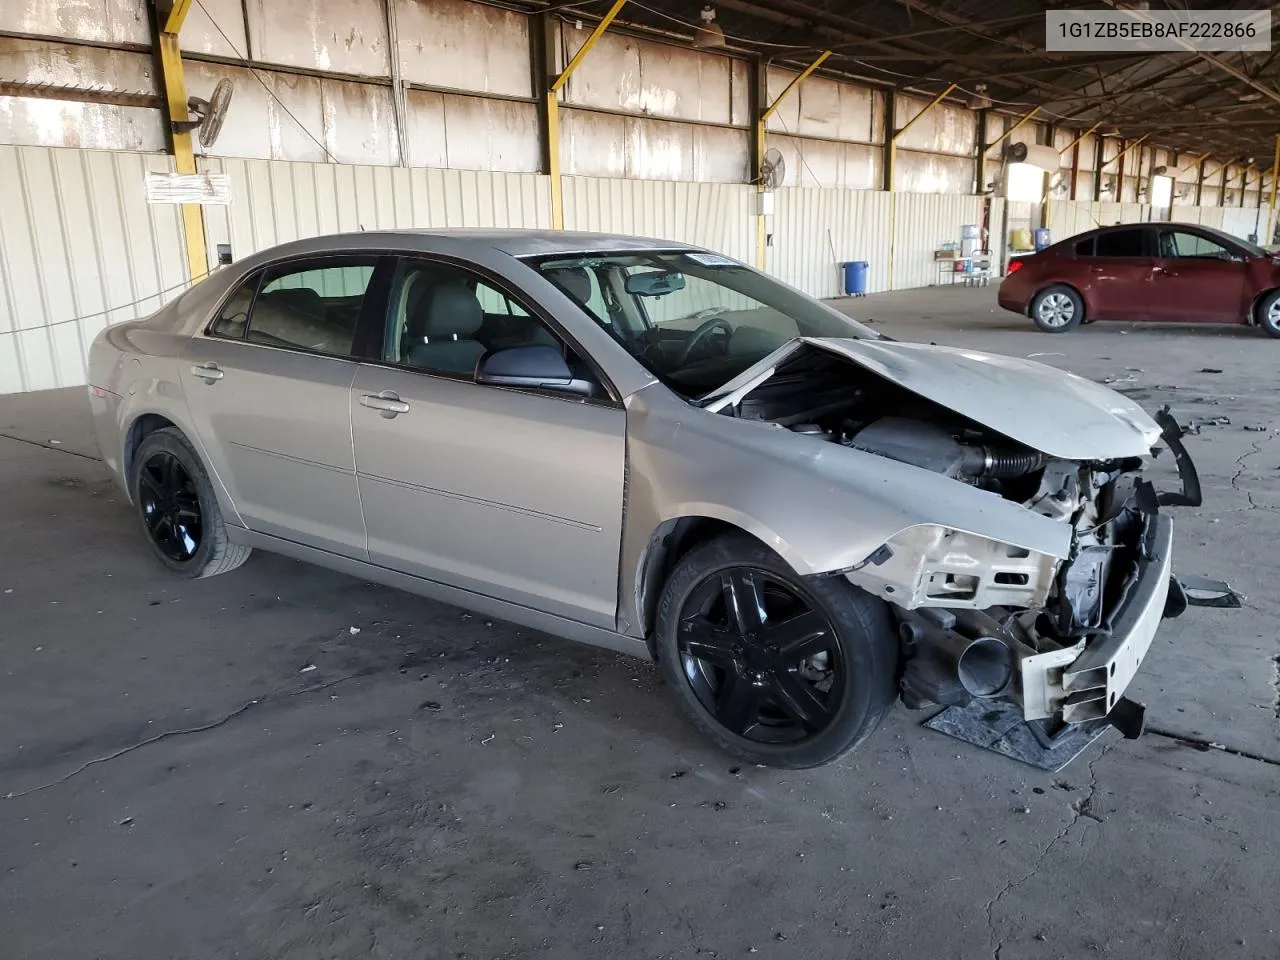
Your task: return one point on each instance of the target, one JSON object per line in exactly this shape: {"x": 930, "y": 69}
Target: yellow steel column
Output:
{"x": 891, "y": 163}
{"x": 553, "y": 160}
{"x": 758, "y": 166}
{"x": 552, "y": 113}
{"x": 761, "y": 132}
{"x": 184, "y": 159}
{"x": 1271, "y": 205}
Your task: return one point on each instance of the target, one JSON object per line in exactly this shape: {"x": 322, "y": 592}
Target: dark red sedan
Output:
{"x": 1162, "y": 272}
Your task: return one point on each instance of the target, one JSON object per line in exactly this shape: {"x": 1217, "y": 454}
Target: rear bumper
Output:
{"x": 105, "y": 407}
{"x": 1011, "y": 300}
{"x": 1084, "y": 682}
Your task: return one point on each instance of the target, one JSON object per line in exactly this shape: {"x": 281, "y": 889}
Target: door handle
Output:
{"x": 387, "y": 403}
{"x": 208, "y": 372}
{"x": 1166, "y": 271}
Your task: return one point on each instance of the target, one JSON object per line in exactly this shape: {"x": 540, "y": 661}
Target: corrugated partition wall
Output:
{"x": 1069, "y": 217}
{"x": 815, "y": 230}
{"x": 713, "y": 215}
{"x": 77, "y": 240}
{"x": 922, "y": 223}
{"x": 274, "y": 201}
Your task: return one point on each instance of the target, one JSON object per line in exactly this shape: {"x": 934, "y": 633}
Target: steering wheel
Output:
{"x": 702, "y": 334}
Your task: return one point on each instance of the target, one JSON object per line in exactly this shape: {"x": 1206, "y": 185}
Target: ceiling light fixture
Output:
{"x": 709, "y": 36}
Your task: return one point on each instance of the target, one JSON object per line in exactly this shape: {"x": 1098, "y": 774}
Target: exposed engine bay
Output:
{"x": 978, "y": 617}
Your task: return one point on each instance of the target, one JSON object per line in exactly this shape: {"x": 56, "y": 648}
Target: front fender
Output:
{"x": 822, "y": 506}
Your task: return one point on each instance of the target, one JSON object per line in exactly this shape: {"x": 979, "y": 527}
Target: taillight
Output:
{"x": 1014, "y": 267}
{"x": 98, "y": 392}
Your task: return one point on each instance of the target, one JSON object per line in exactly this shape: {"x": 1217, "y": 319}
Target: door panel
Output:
{"x": 1193, "y": 282}
{"x": 277, "y": 427}
{"x": 511, "y": 494}
{"x": 1114, "y": 269}
{"x": 269, "y": 391}
{"x": 1194, "y": 291}
{"x": 1119, "y": 287}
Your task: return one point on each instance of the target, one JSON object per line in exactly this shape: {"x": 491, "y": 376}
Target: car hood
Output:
{"x": 1052, "y": 411}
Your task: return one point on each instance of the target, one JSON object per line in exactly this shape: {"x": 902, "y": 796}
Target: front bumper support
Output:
{"x": 1085, "y": 681}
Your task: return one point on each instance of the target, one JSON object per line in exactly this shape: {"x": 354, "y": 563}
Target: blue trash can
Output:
{"x": 855, "y": 278}
{"x": 1042, "y": 238}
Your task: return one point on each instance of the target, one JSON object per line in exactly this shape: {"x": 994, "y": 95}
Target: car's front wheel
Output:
{"x": 772, "y": 667}
{"x": 1057, "y": 309}
{"x": 178, "y": 508}
{"x": 1269, "y": 313}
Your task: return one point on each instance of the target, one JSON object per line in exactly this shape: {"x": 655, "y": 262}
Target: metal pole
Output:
{"x": 397, "y": 83}
{"x": 184, "y": 158}
{"x": 1271, "y": 204}
{"x": 759, "y": 134}
{"x": 551, "y": 103}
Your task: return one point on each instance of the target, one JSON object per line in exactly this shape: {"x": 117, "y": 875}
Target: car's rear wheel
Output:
{"x": 178, "y": 509}
{"x": 1057, "y": 309}
{"x": 772, "y": 667}
{"x": 1269, "y": 313}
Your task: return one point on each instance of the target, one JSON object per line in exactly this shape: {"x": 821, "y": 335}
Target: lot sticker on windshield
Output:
{"x": 712, "y": 260}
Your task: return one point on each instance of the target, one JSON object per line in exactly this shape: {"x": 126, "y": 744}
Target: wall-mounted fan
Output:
{"x": 774, "y": 169}
{"x": 208, "y": 115}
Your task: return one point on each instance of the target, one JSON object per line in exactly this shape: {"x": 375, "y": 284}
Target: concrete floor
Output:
{"x": 177, "y": 781}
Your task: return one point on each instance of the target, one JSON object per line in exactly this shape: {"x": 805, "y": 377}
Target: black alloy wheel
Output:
{"x": 766, "y": 664}
{"x": 178, "y": 508}
{"x": 771, "y": 666}
{"x": 170, "y": 507}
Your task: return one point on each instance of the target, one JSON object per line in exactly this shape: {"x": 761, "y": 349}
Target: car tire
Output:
{"x": 1268, "y": 313}
{"x": 1057, "y": 309}
{"x": 819, "y": 666}
{"x": 178, "y": 510}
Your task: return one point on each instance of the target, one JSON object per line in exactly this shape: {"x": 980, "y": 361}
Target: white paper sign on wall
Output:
{"x": 188, "y": 188}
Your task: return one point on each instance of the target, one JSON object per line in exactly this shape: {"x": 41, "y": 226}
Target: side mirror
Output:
{"x": 654, "y": 283}
{"x": 534, "y": 367}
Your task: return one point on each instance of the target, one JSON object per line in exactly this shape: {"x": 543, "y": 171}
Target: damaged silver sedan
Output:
{"x": 659, "y": 450}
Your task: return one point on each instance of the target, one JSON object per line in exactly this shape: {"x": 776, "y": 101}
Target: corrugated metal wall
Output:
{"x": 106, "y": 247}
{"x": 1069, "y": 217}
{"x": 77, "y": 239}
{"x": 713, "y": 215}
{"x": 923, "y": 222}
{"x": 816, "y": 230}
{"x": 274, "y": 201}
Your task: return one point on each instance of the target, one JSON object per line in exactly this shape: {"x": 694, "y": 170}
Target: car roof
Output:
{"x": 514, "y": 242}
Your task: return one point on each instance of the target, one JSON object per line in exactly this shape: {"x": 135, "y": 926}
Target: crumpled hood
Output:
{"x": 1049, "y": 410}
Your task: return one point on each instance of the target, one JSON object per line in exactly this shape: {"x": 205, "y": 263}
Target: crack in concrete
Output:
{"x": 1200, "y": 743}
{"x": 1080, "y": 809}
{"x": 182, "y": 732}
{"x": 1256, "y": 448}
{"x": 50, "y": 446}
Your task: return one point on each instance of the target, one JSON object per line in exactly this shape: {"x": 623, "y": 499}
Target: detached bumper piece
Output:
{"x": 1172, "y": 433}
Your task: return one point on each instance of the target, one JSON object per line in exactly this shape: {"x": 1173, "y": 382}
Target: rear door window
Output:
{"x": 312, "y": 306}
{"x": 1121, "y": 243}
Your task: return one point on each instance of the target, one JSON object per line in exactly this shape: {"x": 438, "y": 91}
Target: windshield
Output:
{"x": 694, "y": 320}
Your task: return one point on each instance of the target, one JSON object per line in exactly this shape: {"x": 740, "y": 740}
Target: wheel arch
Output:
{"x": 139, "y": 424}
{"x": 669, "y": 542}
{"x": 1253, "y": 319}
{"x": 141, "y": 427}
{"x": 1074, "y": 288}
